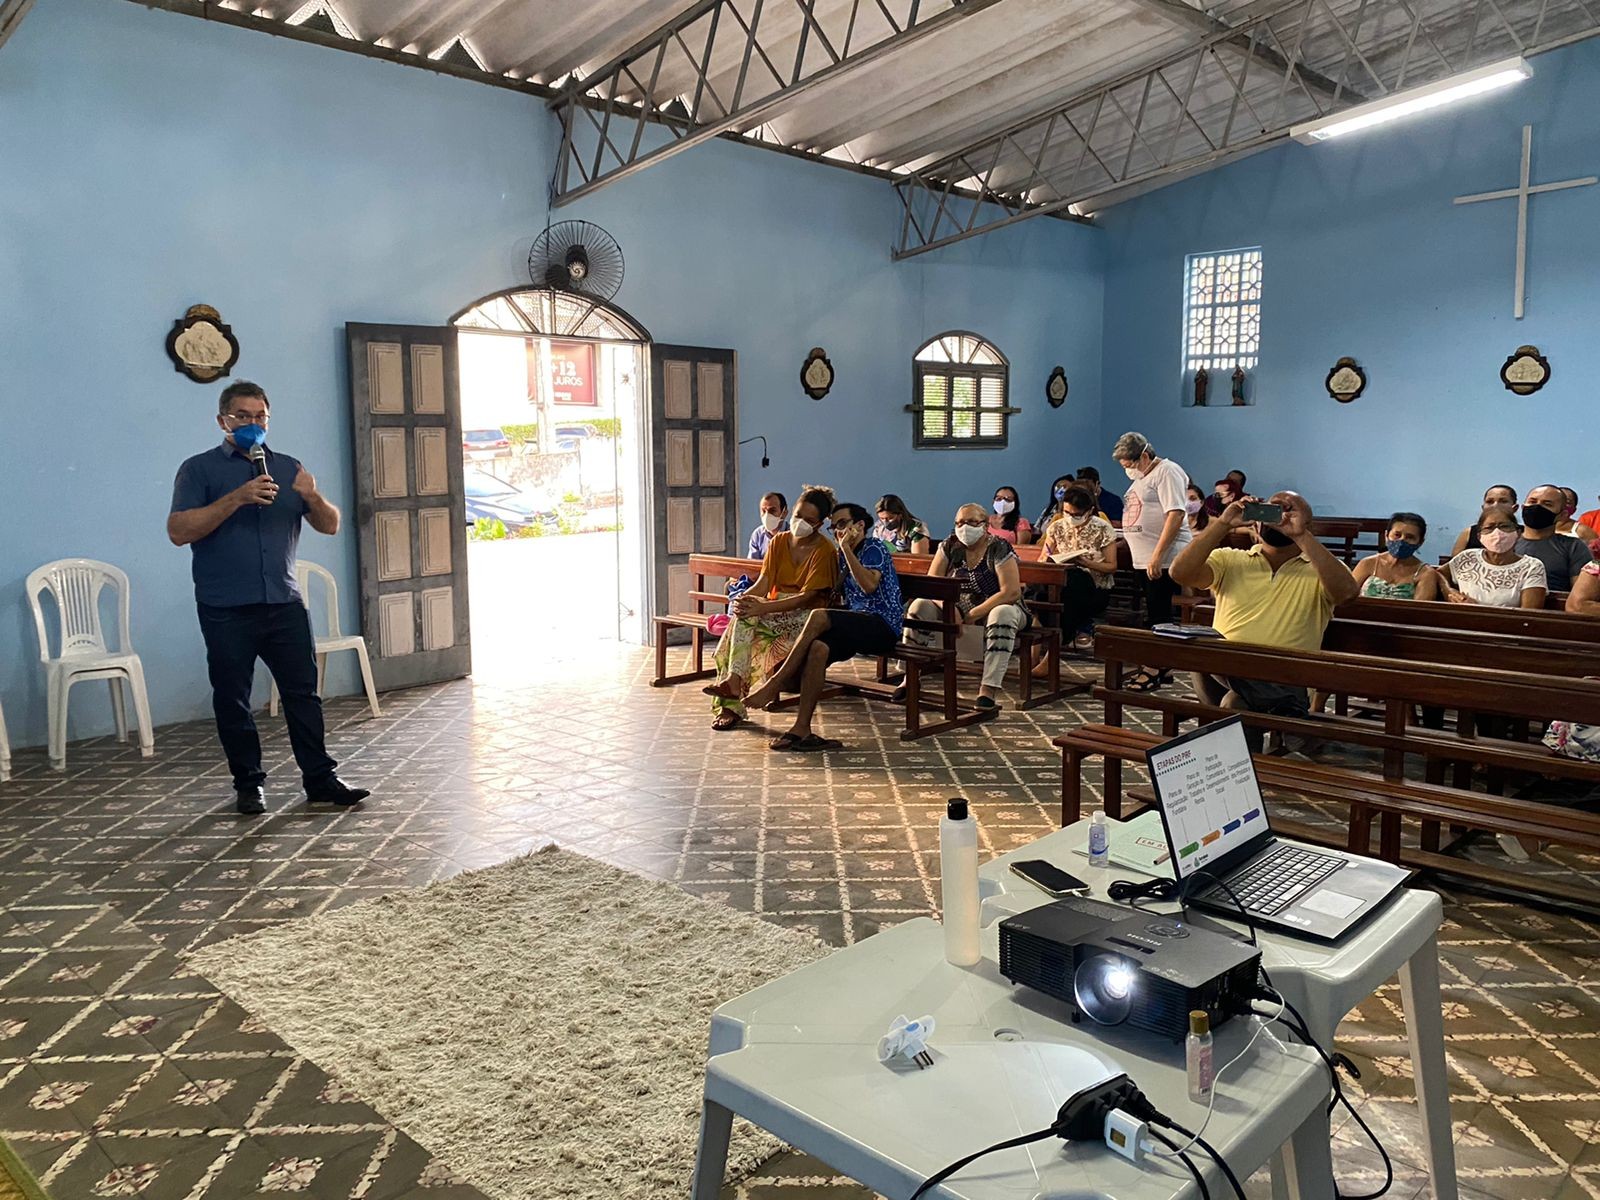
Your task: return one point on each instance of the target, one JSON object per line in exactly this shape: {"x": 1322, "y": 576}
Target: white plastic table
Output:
{"x": 1324, "y": 982}
{"x": 798, "y": 1057}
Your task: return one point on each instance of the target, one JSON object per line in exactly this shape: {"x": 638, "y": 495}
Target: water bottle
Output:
{"x": 1099, "y": 843}
{"x": 958, "y": 877}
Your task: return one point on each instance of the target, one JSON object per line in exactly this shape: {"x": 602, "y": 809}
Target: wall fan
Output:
{"x": 577, "y": 256}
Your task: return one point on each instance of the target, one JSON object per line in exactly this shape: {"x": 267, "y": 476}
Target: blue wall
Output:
{"x": 1365, "y": 255}
{"x": 150, "y": 161}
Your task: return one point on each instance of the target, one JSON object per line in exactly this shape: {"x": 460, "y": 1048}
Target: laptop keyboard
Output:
{"x": 1272, "y": 883}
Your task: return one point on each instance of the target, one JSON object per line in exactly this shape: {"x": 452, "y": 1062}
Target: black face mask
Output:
{"x": 1537, "y": 516}
{"x": 1275, "y": 537}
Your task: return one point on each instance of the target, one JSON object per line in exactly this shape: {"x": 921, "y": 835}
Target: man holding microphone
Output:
{"x": 243, "y": 529}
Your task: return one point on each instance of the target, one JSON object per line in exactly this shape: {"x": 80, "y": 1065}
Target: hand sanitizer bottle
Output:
{"x": 1197, "y": 1054}
{"x": 958, "y": 878}
{"x": 1099, "y": 843}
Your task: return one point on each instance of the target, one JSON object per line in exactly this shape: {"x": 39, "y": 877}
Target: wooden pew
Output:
{"x": 1551, "y": 624}
{"x": 1351, "y": 538}
{"x": 1401, "y": 685}
{"x": 918, "y": 660}
{"x": 1045, "y": 630}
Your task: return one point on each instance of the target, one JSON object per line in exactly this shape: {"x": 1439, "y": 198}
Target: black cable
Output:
{"x": 1221, "y": 1162}
{"x": 1299, "y": 1026}
{"x": 1132, "y": 891}
{"x": 1199, "y": 1179}
{"x": 935, "y": 1180}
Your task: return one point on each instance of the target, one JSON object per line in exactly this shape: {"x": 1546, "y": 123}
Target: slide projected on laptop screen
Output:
{"x": 1208, "y": 790}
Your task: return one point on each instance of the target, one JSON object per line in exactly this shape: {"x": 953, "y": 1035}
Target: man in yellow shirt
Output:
{"x": 1280, "y": 592}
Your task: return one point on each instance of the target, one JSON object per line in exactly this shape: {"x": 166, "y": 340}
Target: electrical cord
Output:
{"x": 1195, "y": 1137}
{"x": 1333, "y": 1062}
{"x": 1199, "y": 1179}
{"x": 1038, "y": 1136}
{"x": 1131, "y": 891}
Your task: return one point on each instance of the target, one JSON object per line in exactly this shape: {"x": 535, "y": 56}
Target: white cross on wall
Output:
{"x": 1522, "y": 191}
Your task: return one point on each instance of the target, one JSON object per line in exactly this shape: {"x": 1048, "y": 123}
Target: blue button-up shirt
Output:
{"x": 249, "y": 558}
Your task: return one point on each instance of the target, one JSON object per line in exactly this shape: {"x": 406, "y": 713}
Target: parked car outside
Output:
{"x": 485, "y": 442}
{"x": 514, "y": 507}
{"x": 570, "y": 437}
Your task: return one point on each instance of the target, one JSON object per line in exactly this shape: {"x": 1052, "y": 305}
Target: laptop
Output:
{"x": 1217, "y": 826}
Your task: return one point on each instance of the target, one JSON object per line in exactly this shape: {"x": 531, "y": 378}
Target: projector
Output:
{"x": 1117, "y": 966}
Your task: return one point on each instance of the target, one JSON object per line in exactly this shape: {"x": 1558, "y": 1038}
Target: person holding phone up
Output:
{"x": 1281, "y": 592}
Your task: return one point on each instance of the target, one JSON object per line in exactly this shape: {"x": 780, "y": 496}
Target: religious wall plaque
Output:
{"x": 1055, "y": 388}
{"x": 1346, "y": 381}
{"x": 201, "y": 346}
{"x": 816, "y": 376}
{"x": 1526, "y": 371}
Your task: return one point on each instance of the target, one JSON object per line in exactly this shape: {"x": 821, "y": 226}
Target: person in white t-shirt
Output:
{"x": 1496, "y": 575}
{"x": 1154, "y": 523}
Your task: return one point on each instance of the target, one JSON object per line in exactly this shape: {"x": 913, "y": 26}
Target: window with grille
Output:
{"x": 1222, "y": 311}
{"x": 959, "y": 395}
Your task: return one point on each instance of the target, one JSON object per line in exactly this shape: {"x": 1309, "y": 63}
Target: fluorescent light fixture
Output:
{"x": 1415, "y": 100}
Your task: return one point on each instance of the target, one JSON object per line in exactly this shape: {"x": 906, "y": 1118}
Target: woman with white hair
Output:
{"x": 1155, "y": 527}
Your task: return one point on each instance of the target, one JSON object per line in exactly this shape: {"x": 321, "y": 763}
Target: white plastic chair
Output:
{"x": 5, "y": 749}
{"x": 75, "y": 585}
{"x": 333, "y": 640}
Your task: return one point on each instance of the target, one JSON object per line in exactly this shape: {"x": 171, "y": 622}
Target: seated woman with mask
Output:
{"x": 898, "y": 528}
{"x": 1495, "y": 574}
{"x": 1008, "y": 524}
{"x": 1502, "y": 496}
{"x": 1086, "y": 544}
{"x": 799, "y": 573}
{"x": 990, "y": 604}
{"x": 1058, "y": 493}
{"x": 1397, "y": 573}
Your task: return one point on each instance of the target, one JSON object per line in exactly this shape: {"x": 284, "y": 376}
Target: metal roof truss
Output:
{"x": 1240, "y": 88}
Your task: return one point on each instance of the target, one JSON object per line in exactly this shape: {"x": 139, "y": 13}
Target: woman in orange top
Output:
{"x": 800, "y": 572}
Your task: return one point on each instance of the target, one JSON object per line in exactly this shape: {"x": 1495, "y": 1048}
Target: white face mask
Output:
{"x": 1079, "y": 519}
{"x": 1134, "y": 473}
{"x": 802, "y": 528}
{"x": 1003, "y": 506}
{"x": 969, "y": 534}
{"x": 1498, "y": 541}
{"x": 770, "y": 522}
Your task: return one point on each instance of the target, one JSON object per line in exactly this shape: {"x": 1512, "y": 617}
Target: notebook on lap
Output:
{"x": 1218, "y": 828}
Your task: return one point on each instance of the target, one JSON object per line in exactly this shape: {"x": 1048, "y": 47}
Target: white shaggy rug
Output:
{"x": 540, "y": 1026}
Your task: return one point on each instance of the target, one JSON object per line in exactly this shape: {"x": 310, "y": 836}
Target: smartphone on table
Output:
{"x": 1267, "y": 514}
{"x": 1049, "y": 878}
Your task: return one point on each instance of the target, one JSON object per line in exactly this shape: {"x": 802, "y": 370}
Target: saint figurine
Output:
{"x": 1238, "y": 386}
{"x": 1202, "y": 381}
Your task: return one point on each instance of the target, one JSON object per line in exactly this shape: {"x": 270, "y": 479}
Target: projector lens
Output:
{"x": 1103, "y": 987}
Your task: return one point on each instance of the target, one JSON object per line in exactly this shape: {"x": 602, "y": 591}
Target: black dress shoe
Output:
{"x": 336, "y": 791}
{"x": 250, "y": 800}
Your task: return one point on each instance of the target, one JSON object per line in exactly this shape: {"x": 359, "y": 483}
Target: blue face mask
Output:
{"x": 248, "y": 437}
{"x": 1061, "y": 493}
{"x": 1401, "y": 550}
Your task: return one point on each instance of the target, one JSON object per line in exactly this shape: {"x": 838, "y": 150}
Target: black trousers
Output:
{"x": 1081, "y": 601}
{"x": 280, "y": 636}
{"x": 1158, "y": 596}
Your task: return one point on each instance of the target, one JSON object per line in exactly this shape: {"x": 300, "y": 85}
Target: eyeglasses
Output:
{"x": 973, "y": 522}
{"x": 248, "y": 419}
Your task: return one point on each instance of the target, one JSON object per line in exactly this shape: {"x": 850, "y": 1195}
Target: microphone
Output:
{"x": 258, "y": 459}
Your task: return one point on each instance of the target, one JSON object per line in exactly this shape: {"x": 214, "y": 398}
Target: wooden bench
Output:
{"x": 1351, "y": 538}
{"x": 1042, "y": 633}
{"x": 701, "y": 568}
{"x": 1554, "y": 624}
{"x": 1400, "y": 685}
{"x": 918, "y": 661}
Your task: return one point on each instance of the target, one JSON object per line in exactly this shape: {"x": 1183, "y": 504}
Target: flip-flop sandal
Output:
{"x": 720, "y": 690}
{"x": 725, "y": 721}
{"x": 1141, "y": 681}
{"x": 987, "y": 702}
{"x": 812, "y": 742}
{"x": 784, "y": 741}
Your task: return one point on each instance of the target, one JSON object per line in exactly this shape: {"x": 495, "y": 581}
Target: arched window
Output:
{"x": 959, "y": 393}
{"x": 549, "y": 313}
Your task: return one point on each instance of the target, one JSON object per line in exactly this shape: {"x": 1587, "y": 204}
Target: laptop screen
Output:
{"x": 1210, "y": 799}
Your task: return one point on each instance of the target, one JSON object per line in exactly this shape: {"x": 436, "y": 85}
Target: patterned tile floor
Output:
{"x": 123, "y": 1074}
